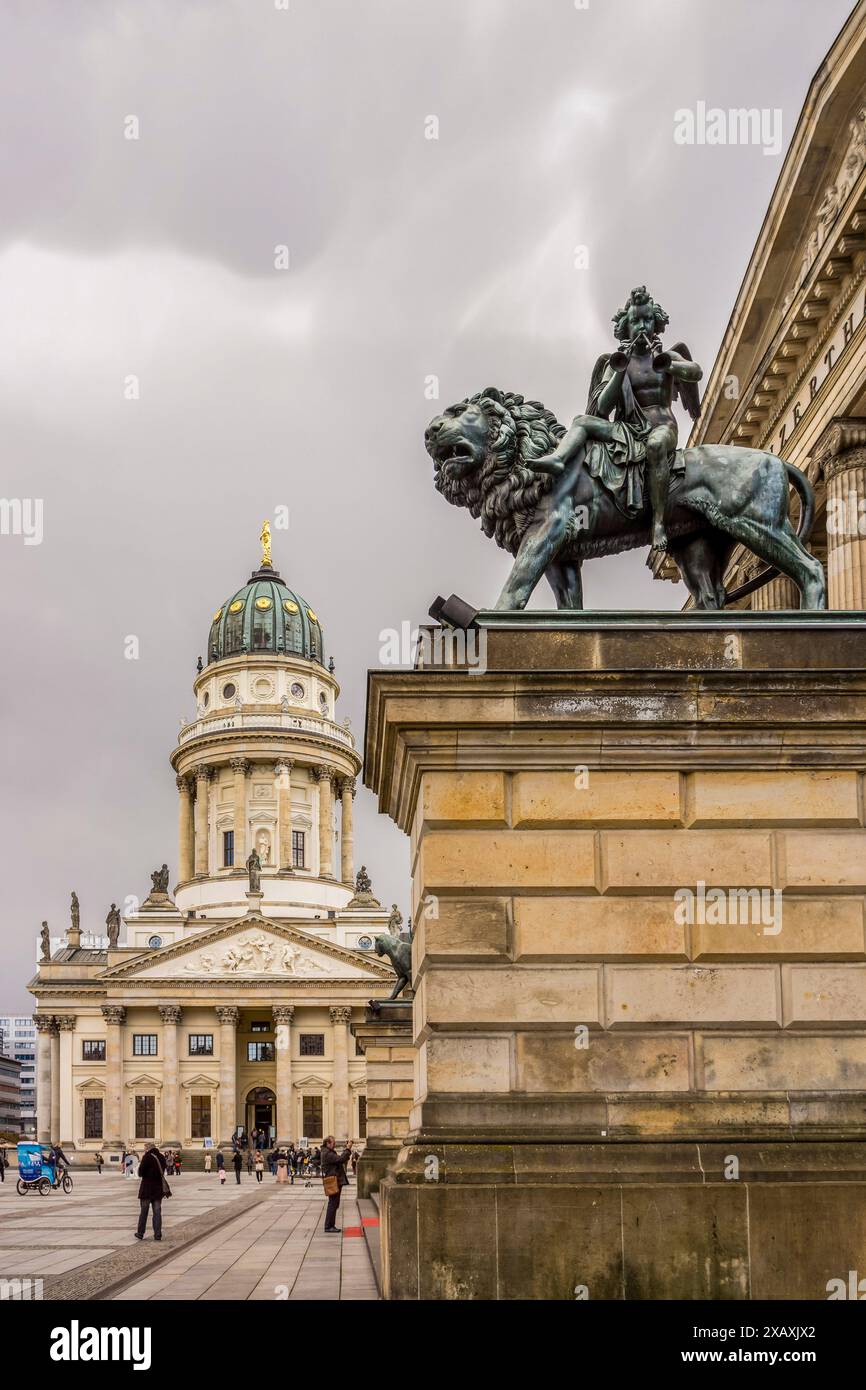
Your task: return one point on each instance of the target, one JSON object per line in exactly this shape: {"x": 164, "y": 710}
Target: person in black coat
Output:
{"x": 151, "y": 1170}
{"x": 334, "y": 1166}
{"x": 237, "y": 1161}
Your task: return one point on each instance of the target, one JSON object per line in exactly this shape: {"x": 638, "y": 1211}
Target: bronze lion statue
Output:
{"x": 482, "y": 451}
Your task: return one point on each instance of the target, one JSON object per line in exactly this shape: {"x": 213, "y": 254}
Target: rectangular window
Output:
{"x": 201, "y": 1126}
{"x": 228, "y": 849}
{"x": 298, "y": 840}
{"x": 201, "y": 1044}
{"x": 260, "y": 1052}
{"x": 92, "y": 1118}
{"x": 312, "y": 1112}
{"x": 312, "y": 1044}
{"x": 144, "y": 1045}
{"x": 145, "y": 1117}
{"x": 261, "y": 1026}
{"x": 93, "y": 1050}
{"x": 362, "y": 1117}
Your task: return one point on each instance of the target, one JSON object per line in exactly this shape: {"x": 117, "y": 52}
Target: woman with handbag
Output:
{"x": 151, "y": 1190}
{"x": 334, "y": 1179}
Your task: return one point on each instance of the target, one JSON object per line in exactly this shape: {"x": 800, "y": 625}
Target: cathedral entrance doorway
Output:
{"x": 261, "y": 1112}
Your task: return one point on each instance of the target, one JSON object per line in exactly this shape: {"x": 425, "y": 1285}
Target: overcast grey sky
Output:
{"x": 304, "y": 387}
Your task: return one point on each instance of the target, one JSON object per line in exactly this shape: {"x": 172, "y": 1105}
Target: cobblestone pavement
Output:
{"x": 274, "y": 1247}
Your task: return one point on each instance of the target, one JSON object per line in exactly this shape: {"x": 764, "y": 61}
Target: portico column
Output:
{"x": 228, "y": 1015}
{"x": 340, "y": 1018}
{"x": 171, "y": 1015}
{"x": 114, "y": 1014}
{"x": 66, "y": 1025}
{"x": 347, "y": 835}
{"x": 55, "y": 1084}
{"x": 841, "y": 451}
{"x": 324, "y": 777}
{"x": 45, "y": 1026}
{"x": 283, "y": 774}
{"x": 185, "y": 841}
{"x": 202, "y": 778}
{"x": 283, "y": 1015}
{"x": 240, "y": 767}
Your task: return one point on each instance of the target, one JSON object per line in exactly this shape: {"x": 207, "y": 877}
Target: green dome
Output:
{"x": 265, "y": 616}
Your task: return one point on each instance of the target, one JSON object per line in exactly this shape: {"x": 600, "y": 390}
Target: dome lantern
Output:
{"x": 265, "y": 616}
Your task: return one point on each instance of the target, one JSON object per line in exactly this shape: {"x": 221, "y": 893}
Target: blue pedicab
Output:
{"x": 37, "y": 1171}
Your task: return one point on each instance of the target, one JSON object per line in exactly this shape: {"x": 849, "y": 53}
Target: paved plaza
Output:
{"x": 247, "y": 1241}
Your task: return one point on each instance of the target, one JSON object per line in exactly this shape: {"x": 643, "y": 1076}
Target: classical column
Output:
{"x": 45, "y": 1026}
{"x": 228, "y": 1015}
{"x": 841, "y": 452}
{"x": 340, "y": 1019}
{"x": 347, "y": 834}
{"x": 66, "y": 1025}
{"x": 283, "y": 774}
{"x": 240, "y": 768}
{"x": 202, "y": 778}
{"x": 114, "y": 1014}
{"x": 283, "y": 1015}
{"x": 55, "y": 1085}
{"x": 185, "y": 840}
{"x": 324, "y": 777}
{"x": 171, "y": 1015}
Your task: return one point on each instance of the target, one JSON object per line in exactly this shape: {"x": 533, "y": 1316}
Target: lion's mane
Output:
{"x": 502, "y": 491}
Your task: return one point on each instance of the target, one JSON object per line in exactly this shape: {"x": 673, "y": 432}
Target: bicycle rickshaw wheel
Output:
{"x": 22, "y": 1187}
{"x": 43, "y": 1187}
{"x": 67, "y": 1183}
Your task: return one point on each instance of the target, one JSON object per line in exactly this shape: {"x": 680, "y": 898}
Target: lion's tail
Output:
{"x": 806, "y": 494}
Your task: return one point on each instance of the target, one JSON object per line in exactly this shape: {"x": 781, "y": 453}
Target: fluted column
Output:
{"x": 841, "y": 452}
{"x": 55, "y": 1084}
{"x": 45, "y": 1027}
{"x": 202, "y": 778}
{"x": 283, "y": 1015}
{"x": 340, "y": 1018}
{"x": 240, "y": 768}
{"x": 185, "y": 840}
{"x": 228, "y": 1016}
{"x": 171, "y": 1015}
{"x": 283, "y": 774}
{"x": 780, "y": 592}
{"x": 347, "y": 833}
{"x": 324, "y": 776}
{"x": 114, "y": 1014}
{"x": 66, "y": 1025}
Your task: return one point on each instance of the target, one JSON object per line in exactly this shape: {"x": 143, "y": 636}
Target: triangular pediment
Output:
{"x": 251, "y": 948}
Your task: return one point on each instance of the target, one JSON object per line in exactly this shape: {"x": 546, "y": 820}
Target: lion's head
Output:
{"x": 478, "y": 449}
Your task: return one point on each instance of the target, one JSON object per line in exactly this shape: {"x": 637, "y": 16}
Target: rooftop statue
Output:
{"x": 616, "y": 479}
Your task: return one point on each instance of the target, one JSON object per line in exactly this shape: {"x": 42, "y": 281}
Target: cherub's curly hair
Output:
{"x": 640, "y": 295}
{"x": 502, "y": 491}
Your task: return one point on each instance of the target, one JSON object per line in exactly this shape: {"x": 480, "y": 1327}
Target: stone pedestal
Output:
{"x": 629, "y": 1085}
{"x": 385, "y": 1038}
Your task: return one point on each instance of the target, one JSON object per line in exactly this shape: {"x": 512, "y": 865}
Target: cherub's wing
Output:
{"x": 687, "y": 390}
{"x": 595, "y": 381}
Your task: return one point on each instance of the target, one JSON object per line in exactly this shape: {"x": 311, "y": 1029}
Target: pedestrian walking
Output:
{"x": 282, "y": 1166}
{"x": 99, "y": 1163}
{"x": 334, "y": 1179}
{"x": 237, "y": 1163}
{"x": 152, "y": 1188}
{"x": 259, "y": 1165}
{"x": 250, "y": 1160}
{"x": 208, "y": 1160}
{"x": 3, "y": 1165}
{"x": 221, "y": 1166}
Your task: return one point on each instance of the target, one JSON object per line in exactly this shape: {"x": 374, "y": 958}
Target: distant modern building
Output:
{"x": 10, "y": 1099}
{"x": 790, "y": 376}
{"x": 18, "y": 1042}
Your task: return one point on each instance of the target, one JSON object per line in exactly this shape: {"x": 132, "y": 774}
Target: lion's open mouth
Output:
{"x": 461, "y": 452}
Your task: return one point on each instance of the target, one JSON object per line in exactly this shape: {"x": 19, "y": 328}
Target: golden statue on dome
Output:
{"x": 265, "y": 538}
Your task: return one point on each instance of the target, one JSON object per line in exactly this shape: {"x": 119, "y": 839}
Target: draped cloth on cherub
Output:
{"x": 620, "y": 463}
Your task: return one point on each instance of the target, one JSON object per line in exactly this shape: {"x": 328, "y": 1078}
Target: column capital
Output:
{"x": 184, "y": 782}
{"x": 65, "y": 1022}
{"x": 170, "y": 1013}
{"x": 45, "y": 1023}
{"x": 240, "y": 765}
{"x": 340, "y": 1013}
{"x": 347, "y": 784}
{"x": 203, "y": 772}
{"x": 283, "y": 765}
{"x": 283, "y": 1013}
{"x": 114, "y": 1013}
{"x": 228, "y": 1013}
{"x": 322, "y": 773}
{"x": 841, "y": 445}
